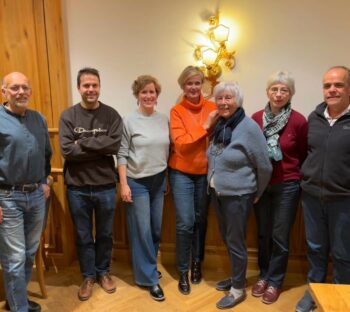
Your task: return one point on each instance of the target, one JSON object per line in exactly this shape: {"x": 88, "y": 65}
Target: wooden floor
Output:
{"x": 63, "y": 286}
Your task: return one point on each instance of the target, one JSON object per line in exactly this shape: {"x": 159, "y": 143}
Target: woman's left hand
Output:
{"x": 211, "y": 120}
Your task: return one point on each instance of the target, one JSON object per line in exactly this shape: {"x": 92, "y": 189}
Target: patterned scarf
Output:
{"x": 223, "y": 130}
{"x": 272, "y": 125}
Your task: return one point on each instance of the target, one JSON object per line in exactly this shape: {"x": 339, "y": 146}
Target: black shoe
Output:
{"x": 224, "y": 285}
{"x": 196, "y": 274}
{"x": 156, "y": 292}
{"x": 32, "y": 306}
{"x": 184, "y": 284}
{"x": 159, "y": 274}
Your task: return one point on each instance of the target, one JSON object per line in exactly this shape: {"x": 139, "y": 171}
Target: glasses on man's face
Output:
{"x": 17, "y": 88}
{"x": 275, "y": 90}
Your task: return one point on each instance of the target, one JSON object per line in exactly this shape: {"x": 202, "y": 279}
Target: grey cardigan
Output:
{"x": 243, "y": 166}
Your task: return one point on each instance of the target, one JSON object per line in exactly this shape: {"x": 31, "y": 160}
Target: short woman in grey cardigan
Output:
{"x": 142, "y": 161}
{"x": 239, "y": 170}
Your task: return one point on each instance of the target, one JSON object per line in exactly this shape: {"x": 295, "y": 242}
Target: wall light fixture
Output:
{"x": 214, "y": 55}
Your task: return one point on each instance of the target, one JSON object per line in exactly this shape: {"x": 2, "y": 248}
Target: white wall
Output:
{"x": 124, "y": 39}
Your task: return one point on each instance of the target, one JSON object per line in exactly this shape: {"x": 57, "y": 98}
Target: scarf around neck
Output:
{"x": 223, "y": 129}
{"x": 272, "y": 125}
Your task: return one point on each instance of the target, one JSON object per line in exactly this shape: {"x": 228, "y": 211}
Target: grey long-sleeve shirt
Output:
{"x": 145, "y": 144}
{"x": 25, "y": 150}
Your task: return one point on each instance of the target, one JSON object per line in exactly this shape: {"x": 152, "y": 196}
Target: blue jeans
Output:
{"x": 275, "y": 214}
{"x": 232, "y": 213}
{"x": 327, "y": 229}
{"x": 94, "y": 253}
{"x": 191, "y": 204}
{"x": 144, "y": 218}
{"x": 20, "y": 231}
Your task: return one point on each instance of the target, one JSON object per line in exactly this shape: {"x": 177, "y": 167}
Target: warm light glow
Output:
{"x": 221, "y": 33}
{"x": 211, "y": 51}
{"x": 234, "y": 30}
{"x": 209, "y": 56}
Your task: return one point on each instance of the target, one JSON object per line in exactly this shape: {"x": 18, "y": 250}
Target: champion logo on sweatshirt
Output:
{"x": 83, "y": 130}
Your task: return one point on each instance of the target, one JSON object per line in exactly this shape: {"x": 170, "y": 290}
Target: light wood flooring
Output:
{"x": 63, "y": 286}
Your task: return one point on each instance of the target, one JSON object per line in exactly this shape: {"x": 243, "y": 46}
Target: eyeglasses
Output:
{"x": 275, "y": 90}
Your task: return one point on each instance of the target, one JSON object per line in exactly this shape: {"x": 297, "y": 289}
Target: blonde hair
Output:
{"x": 188, "y": 72}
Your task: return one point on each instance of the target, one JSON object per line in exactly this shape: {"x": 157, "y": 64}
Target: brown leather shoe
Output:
{"x": 271, "y": 295}
{"x": 85, "y": 290}
{"x": 259, "y": 288}
{"x": 107, "y": 283}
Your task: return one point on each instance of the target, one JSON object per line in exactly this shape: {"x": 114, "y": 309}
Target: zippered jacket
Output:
{"x": 326, "y": 170}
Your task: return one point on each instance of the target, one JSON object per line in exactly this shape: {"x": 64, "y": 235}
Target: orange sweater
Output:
{"x": 189, "y": 138}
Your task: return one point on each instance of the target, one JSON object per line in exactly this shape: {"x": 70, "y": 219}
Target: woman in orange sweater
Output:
{"x": 191, "y": 121}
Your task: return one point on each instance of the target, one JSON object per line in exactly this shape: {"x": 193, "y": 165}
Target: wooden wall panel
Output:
{"x": 22, "y": 50}
{"x": 32, "y": 42}
{"x": 60, "y": 85}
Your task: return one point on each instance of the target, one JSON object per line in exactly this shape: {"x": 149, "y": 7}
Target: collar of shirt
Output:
{"x": 333, "y": 120}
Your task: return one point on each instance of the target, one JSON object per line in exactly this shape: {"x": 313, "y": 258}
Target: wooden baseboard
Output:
{"x": 217, "y": 258}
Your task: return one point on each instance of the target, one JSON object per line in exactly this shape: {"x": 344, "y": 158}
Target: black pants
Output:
{"x": 232, "y": 213}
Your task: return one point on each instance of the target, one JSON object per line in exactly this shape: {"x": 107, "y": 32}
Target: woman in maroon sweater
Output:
{"x": 286, "y": 135}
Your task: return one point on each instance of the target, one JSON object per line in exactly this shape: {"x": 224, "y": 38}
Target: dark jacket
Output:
{"x": 326, "y": 170}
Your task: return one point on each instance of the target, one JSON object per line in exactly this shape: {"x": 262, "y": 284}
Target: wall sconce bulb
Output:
{"x": 212, "y": 57}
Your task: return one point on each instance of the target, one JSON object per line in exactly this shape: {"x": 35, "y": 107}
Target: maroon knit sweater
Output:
{"x": 293, "y": 142}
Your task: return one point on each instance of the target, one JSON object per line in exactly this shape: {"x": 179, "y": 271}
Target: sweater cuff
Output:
{"x": 121, "y": 161}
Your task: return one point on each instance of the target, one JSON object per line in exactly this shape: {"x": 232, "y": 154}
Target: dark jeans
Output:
{"x": 144, "y": 217}
{"x": 191, "y": 204}
{"x": 275, "y": 214}
{"x": 232, "y": 214}
{"x": 327, "y": 228}
{"x": 94, "y": 253}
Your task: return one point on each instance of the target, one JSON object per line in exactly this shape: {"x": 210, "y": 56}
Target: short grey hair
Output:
{"x": 283, "y": 77}
{"x": 232, "y": 87}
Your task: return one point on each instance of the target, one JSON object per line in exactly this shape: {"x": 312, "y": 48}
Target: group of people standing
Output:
{"x": 208, "y": 151}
